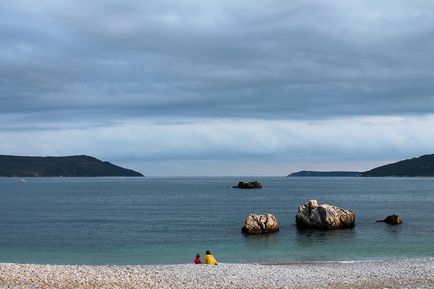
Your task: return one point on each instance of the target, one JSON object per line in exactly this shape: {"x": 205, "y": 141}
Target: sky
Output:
{"x": 218, "y": 88}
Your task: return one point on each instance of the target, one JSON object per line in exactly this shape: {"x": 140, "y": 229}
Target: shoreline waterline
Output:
{"x": 373, "y": 274}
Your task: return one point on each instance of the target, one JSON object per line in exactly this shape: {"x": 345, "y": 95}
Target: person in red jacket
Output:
{"x": 197, "y": 260}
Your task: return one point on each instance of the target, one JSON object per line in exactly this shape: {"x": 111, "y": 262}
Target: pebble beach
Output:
{"x": 402, "y": 273}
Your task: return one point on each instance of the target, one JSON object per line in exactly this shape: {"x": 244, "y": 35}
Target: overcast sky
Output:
{"x": 218, "y": 87}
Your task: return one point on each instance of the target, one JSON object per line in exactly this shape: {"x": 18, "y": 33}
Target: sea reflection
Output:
{"x": 261, "y": 241}
{"x": 308, "y": 237}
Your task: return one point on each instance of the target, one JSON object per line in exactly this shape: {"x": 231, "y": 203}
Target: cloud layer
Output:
{"x": 199, "y": 81}
{"x": 242, "y": 146}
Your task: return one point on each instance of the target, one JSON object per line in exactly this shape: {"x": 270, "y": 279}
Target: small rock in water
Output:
{"x": 248, "y": 185}
{"x": 324, "y": 217}
{"x": 392, "y": 220}
{"x": 260, "y": 224}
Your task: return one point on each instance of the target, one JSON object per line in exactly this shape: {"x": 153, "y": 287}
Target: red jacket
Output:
{"x": 197, "y": 261}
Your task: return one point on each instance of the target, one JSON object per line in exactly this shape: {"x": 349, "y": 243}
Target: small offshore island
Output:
{"x": 69, "y": 166}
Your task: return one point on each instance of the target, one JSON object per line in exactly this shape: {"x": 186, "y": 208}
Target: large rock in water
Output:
{"x": 248, "y": 185}
{"x": 392, "y": 220}
{"x": 324, "y": 217}
{"x": 260, "y": 224}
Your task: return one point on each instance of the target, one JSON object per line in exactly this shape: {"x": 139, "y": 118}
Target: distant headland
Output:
{"x": 422, "y": 166}
{"x": 67, "y": 166}
{"x": 325, "y": 174}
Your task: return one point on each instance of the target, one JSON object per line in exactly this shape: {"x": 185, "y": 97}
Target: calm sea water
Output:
{"x": 168, "y": 220}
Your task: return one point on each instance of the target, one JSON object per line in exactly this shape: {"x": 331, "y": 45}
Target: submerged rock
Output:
{"x": 260, "y": 224}
{"x": 392, "y": 220}
{"x": 324, "y": 217}
{"x": 248, "y": 185}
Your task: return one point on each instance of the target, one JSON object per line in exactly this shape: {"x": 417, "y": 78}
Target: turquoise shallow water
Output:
{"x": 168, "y": 220}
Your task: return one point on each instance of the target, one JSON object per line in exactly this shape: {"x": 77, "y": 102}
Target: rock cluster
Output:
{"x": 392, "y": 220}
{"x": 248, "y": 185}
{"x": 324, "y": 217}
{"x": 260, "y": 224}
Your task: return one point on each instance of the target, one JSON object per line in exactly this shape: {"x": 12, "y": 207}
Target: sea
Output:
{"x": 167, "y": 220}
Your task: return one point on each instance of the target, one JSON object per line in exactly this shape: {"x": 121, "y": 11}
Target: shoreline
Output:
{"x": 358, "y": 274}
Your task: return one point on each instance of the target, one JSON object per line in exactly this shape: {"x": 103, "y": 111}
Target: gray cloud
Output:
{"x": 298, "y": 59}
{"x": 193, "y": 82}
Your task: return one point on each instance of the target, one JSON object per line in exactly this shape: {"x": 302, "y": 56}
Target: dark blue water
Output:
{"x": 168, "y": 220}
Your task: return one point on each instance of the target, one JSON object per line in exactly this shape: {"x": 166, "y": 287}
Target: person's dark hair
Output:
{"x": 208, "y": 252}
{"x": 197, "y": 256}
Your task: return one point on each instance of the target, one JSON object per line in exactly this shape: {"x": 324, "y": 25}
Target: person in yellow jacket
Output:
{"x": 209, "y": 258}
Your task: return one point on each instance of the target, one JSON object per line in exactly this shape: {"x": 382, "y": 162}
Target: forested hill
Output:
{"x": 69, "y": 166}
{"x": 416, "y": 167}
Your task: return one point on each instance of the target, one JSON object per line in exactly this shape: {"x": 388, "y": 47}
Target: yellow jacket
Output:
{"x": 209, "y": 259}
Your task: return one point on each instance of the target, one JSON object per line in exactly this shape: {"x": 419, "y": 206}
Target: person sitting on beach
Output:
{"x": 209, "y": 258}
{"x": 197, "y": 260}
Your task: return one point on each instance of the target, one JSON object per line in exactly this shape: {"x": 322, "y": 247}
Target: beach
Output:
{"x": 399, "y": 273}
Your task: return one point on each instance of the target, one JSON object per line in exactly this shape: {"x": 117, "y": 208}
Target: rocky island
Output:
{"x": 69, "y": 166}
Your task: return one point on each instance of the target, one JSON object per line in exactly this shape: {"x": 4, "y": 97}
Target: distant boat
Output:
{"x": 22, "y": 181}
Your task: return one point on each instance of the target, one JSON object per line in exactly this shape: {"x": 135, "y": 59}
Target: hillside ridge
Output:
{"x": 422, "y": 166}
{"x": 66, "y": 166}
